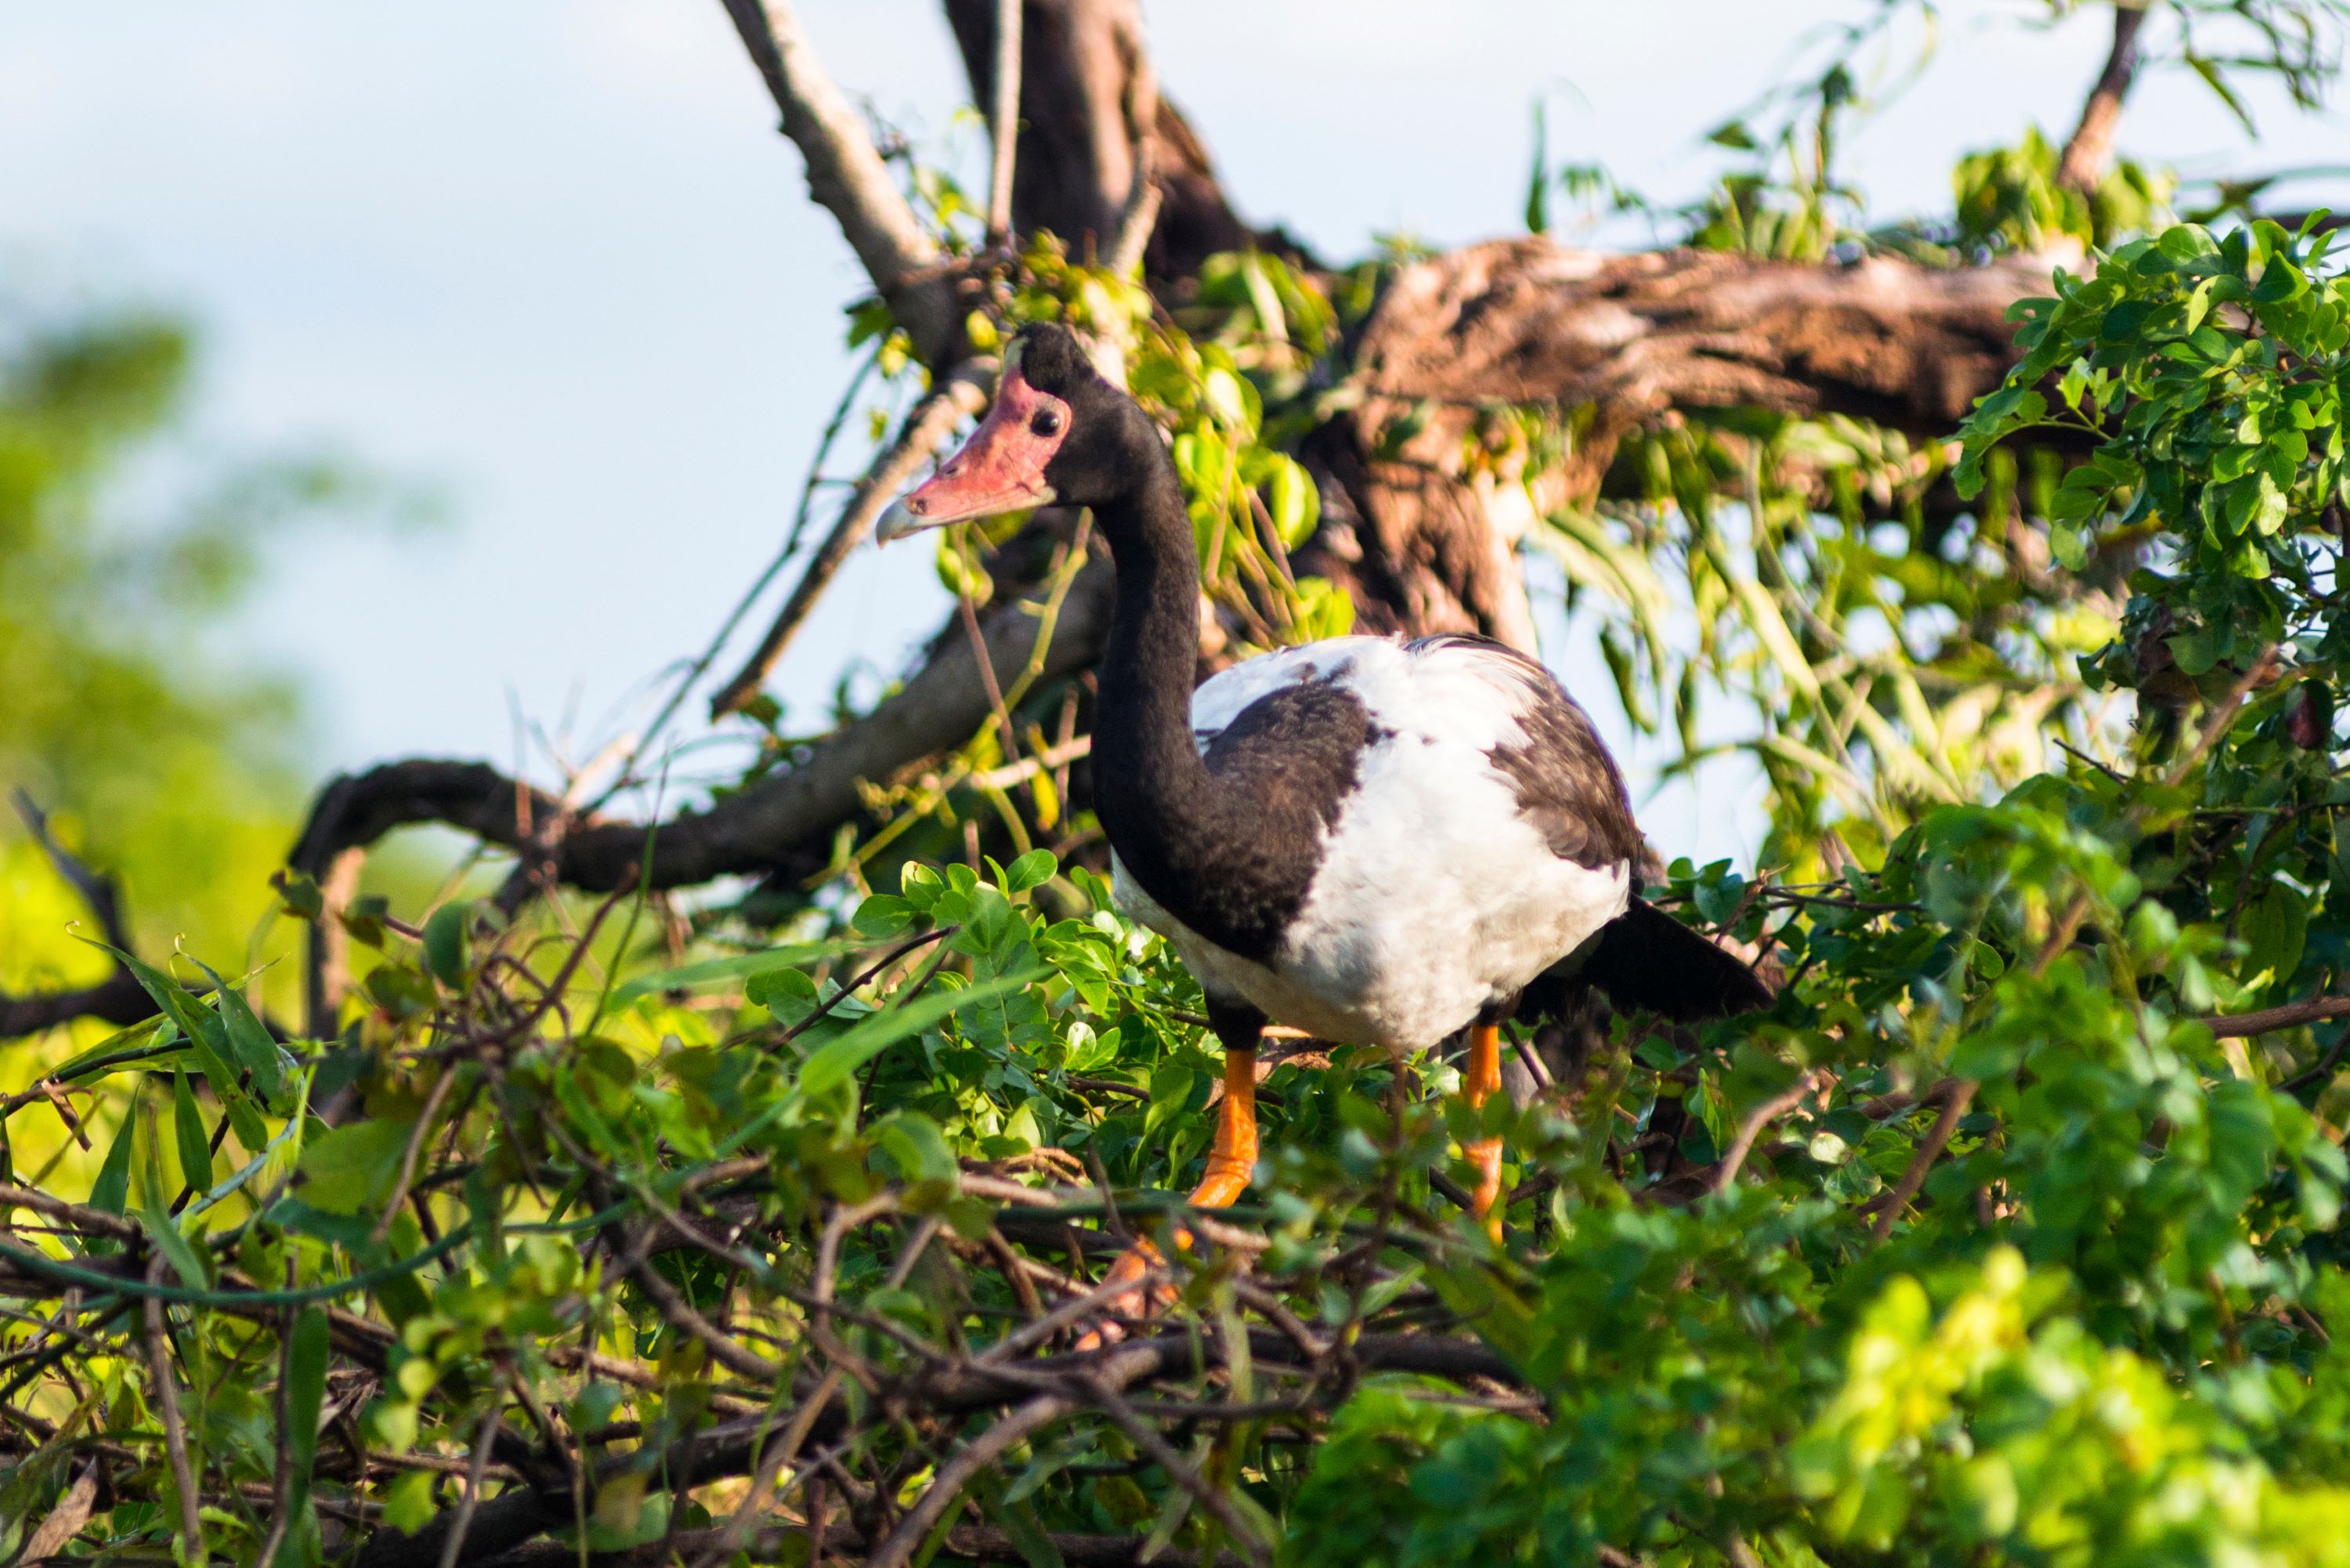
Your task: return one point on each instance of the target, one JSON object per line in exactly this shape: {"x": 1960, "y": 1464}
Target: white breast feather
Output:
{"x": 1436, "y": 898}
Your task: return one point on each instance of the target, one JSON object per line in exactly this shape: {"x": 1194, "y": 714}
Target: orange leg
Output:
{"x": 1483, "y": 1076}
{"x": 1231, "y": 1160}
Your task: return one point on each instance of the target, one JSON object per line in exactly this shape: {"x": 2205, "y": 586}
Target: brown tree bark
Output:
{"x": 2088, "y": 153}
{"x": 1086, "y": 91}
{"x": 1425, "y": 545}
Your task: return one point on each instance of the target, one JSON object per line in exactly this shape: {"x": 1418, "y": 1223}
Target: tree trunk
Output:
{"x": 1086, "y": 88}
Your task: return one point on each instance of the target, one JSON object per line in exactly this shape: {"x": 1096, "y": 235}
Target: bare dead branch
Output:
{"x": 165, "y": 1392}
{"x": 845, "y": 174}
{"x": 770, "y": 825}
{"x": 1962, "y": 1095}
{"x": 2268, "y": 1019}
{"x": 962, "y": 395}
{"x": 1637, "y": 339}
{"x": 899, "y": 1547}
{"x": 1092, "y": 125}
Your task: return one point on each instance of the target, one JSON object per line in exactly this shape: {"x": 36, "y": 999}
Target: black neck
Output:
{"x": 1155, "y": 797}
{"x": 1227, "y": 845}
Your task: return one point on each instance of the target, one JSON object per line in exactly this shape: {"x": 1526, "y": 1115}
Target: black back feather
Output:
{"x": 1645, "y": 959}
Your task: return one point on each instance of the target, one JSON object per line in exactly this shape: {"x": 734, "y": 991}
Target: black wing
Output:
{"x": 1645, "y": 959}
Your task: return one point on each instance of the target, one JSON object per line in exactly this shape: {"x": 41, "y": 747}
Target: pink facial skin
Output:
{"x": 1002, "y": 468}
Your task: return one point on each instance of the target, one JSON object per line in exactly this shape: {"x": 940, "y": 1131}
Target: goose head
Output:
{"x": 1057, "y": 433}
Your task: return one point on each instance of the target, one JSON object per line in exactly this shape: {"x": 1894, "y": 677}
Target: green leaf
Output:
{"x": 1293, "y": 502}
{"x": 408, "y": 1501}
{"x": 351, "y": 1166}
{"x": 2069, "y": 545}
{"x": 208, "y": 1039}
{"x": 444, "y": 942}
{"x": 744, "y": 966}
{"x": 111, "y": 1191}
{"x": 882, "y": 916}
{"x": 306, "y": 1390}
{"x": 2275, "y": 928}
{"x": 250, "y": 1043}
{"x": 193, "y": 1270}
{"x": 1032, "y": 869}
{"x": 188, "y": 1131}
{"x": 831, "y": 1066}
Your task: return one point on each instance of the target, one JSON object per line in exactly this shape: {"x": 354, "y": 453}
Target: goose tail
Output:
{"x": 1645, "y": 959}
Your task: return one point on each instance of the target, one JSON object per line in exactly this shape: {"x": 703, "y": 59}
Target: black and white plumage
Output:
{"x": 1379, "y": 841}
{"x": 1475, "y": 834}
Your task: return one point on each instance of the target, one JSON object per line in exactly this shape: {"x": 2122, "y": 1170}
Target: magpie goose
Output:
{"x": 1381, "y": 842}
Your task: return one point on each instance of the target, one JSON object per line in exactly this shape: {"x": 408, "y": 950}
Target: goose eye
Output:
{"x": 1047, "y": 421}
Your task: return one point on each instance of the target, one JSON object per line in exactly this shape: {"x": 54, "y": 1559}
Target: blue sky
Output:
{"x": 550, "y": 259}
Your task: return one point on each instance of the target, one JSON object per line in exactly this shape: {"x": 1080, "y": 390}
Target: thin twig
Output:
{"x": 281, "y": 1481}
{"x": 970, "y": 616}
{"x": 166, "y": 1391}
{"x": 411, "y": 1149}
{"x": 845, "y": 991}
{"x": 1146, "y": 1438}
{"x": 899, "y": 1547}
{"x": 1962, "y": 1094}
{"x": 1751, "y": 1128}
{"x": 961, "y": 394}
{"x": 694, "y": 671}
{"x": 475, "y": 1472}
{"x": 2290, "y": 1015}
{"x": 1069, "y": 1314}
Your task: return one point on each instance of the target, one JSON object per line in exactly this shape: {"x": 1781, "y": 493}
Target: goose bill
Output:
{"x": 1000, "y": 469}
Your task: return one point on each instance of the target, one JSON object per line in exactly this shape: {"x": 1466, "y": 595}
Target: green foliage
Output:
{"x": 2029, "y": 1267}
{"x": 2012, "y": 197}
{"x": 2002, "y": 1238}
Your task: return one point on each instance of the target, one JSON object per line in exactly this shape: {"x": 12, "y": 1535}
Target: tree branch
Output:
{"x": 899, "y": 1546}
{"x": 784, "y": 822}
{"x": 119, "y": 998}
{"x": 1954, "y": 1105}
{"x": 1092, "y": 124}
{"x": 2290, "y": 1015}
{"x": 2088, "y": 155}
{"x": 964, "y": 1543}
{"x": 962, "y": 395}
{"x": 1761, "y": 1116}
{"x": 846, "y": 177}
{"x": 514, "y": 1517}
{"x": 1637, "y": 339}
